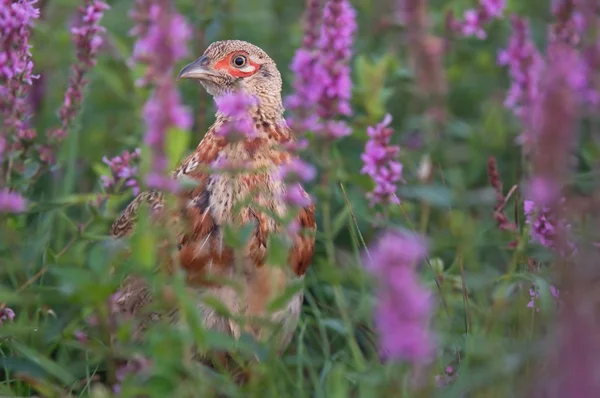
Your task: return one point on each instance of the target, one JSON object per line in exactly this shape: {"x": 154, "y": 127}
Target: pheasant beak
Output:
{"x": 197, "y": 70}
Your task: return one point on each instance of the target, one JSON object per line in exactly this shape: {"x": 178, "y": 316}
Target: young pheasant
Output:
{"x": 220, "y": 199}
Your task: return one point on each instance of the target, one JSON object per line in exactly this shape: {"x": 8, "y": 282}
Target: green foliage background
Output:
{"x": 61, "y": 245}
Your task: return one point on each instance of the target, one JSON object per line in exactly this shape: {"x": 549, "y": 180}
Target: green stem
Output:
{"x": 330, "y": 249}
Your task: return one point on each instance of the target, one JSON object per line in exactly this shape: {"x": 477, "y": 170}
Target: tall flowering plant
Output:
{"x": 162, "y": 36}
{"x": 323, "y": 85}
{"x": 16, "y": 73}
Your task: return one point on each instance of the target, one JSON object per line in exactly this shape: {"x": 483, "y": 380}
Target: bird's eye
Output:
{"x": 239, "y": 61}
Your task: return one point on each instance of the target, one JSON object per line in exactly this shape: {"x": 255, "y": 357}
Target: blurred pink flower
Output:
{"x": 404, "y": 307}
{"x": 162, "y": 41}
{"x": 236, "y": 108}
{"x": 11, "y": 202}
{"x": 6, "y": 314}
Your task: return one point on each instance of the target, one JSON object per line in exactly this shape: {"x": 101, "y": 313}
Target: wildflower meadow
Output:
{"x": 451, "y": 150}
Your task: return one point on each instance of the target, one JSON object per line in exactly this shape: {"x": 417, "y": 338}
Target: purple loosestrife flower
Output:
{"x": 535, "y": 295}
{"x": 307, "y": 74}
{"x": 6, "y": 314}
{"x": 292, "y": 174}
{"x": 297, "y": 170}
{"x": 474, "y": 20}
{"x": 553, "y": 136}
{"x": 87, "y": 36}
{"x": 138, "y": 365}
{"x": 570, "y": 27}
{"x": 122, "y": 172}
{"x": 236, "y": 108}
{"x": 11, "y": 202}
{"x": 296, "y": 196}
{"x": 446, "y": 378}
{"x": 543, "y": 230}
{"x": 163, "y": 35}
{"x": 404, "y": 307}
{"x": 16, "y": 22}
{"x": 570, "y": 22}
{"x": 524, "y": 67}
{"x": 322, "y": 85}
{"x": 544, "y": 225}
{"x": 335, "y": 51}
{"x": 381, "y": 164}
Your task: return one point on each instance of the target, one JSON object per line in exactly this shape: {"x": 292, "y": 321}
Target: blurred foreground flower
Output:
{"x": 236, "y": 107}
{"x": 381, "y": 164}
{"x": 162, "y": 42}
{"x": 404, "y": 307}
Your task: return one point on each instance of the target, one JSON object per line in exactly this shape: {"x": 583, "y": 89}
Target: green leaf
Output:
{"x": 282, "y": 300}
{"x": 435, "y": 195}
{"x": 277, "y": 250}
{"x": 100, "y": 169}
{"x": 217, "y": 305}
{"x": 7, "y": 295}
{"x": 237, "y": 237}
{"x": 176, "y": 145}
{"x": 113, "y": 80}
{"x": 43, "y": 362}
{"x": 144, "y": 240}
{"x": 339, "y": 221}
{"x": 337, "y": 384}
{"x": 334, "y": 324}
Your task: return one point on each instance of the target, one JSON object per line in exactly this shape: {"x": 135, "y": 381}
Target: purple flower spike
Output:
{"x": 335, "y": 46}
{"x": 525, "y": 66}
{"x": 295, "y": 195}
{"x": 123, "y": 173}
{"x": 322, "y": 85}
{"x": 534, "y": 295}
{"x": 11, "y": 202}
{"x": 404, "y": 307}
{"x": 236, "y": 108}
{"x": 162, "y": 37}
{"x": 543, "y": 224}
{"x": 87, "y": 36}
{"x": 297, "y": 170}
{"x": 380, "y": 163}
{"x": 474, "y": 20}
{"x": 16, "y": 66}
{"x": 292, "y": 174}
{"x": 307, "y": 72}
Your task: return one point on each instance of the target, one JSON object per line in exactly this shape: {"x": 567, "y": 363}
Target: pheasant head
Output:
{"x": 232, "y": 65}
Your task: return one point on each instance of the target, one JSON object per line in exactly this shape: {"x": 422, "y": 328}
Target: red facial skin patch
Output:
{"x": 247, "y": 70}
